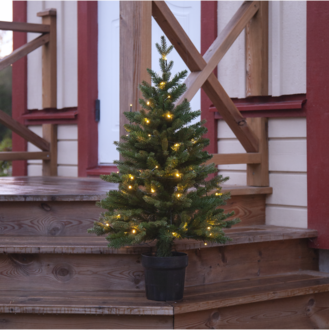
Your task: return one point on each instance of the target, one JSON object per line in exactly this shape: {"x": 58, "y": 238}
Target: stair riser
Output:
{"x": 35, "y": 321}
{"x": 75, "y": 218}
{"x": 87, "y": 272}
{"x": 302, "y": 312}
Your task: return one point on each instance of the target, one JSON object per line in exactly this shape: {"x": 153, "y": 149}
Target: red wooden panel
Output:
{"x": 19, "y": 86}
{"x": 97, "y": 171}
{"x": 87, "y": 86}
{"x": 318, "y": 120}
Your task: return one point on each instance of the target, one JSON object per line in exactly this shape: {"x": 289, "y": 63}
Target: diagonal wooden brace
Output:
{"x": 202, "y": 67}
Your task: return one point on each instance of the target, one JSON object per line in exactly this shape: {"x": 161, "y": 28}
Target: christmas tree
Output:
{"x": 163, "y": 191}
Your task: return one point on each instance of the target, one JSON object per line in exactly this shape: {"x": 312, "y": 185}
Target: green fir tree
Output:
{"x": 163, "y": 192}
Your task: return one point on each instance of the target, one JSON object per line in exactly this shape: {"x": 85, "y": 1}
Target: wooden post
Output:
{"x": 49, "y": 89}
{"x": 257, "y": 174}
{"x": 49, "y": 61}
{"x": 49, "y": 167}
{"x": 257, "y": 52}
{"x": 135, "y": 53}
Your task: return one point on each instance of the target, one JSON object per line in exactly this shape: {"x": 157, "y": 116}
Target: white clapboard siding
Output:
{"x": 287, "y": 206}
{"x": 67, "y": 61}
{"x": 287, "y": 50}
{"x": 67, "y": 151}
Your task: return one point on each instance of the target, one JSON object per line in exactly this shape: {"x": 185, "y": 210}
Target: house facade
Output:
{"x": 88, "y": 60}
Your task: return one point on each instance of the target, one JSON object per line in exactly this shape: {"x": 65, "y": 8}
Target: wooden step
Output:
{"x": 98, "y": 245}
{"x": 54, "y": 206}
{"x": 50, "y": 189}
{"x": 76, "y": 263}
{"x": 204, "y": 297}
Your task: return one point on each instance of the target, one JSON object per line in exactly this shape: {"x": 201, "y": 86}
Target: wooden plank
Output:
{"x": 212, "y": 87}
{"x": 49, "y": 61}
{"x": 258, "y": 174}
{"x": 257, "y": 52}
{"x": 247, "y": 158}
{"x": 98, "y": 245}
{"x": 67, "y": 219}
{"x": 302, "y": 312}
{"x": 34, "y": 321}
{"x": 49, "y": 167}
{"x": 24, "y": 27}
{"x": 246, "y": 261}
{"x": 24, "y": 50}
{"x": 24, "y": 132}
{"x": 219, "y": 48}
{"x": 135, "y": 54}
{"x": 23, "y": 155}
{"x": 81, "y": 189}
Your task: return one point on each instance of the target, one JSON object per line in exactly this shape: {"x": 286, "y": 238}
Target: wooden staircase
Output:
{"x": 53, "y": 274}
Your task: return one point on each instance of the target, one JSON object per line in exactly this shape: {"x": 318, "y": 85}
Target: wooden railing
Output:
{"x": 135, "y": 23}
{"x": 47, "y": 40}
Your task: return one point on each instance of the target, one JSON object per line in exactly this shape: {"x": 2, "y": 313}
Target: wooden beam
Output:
{"x": 247, "y": 158}
{"x": 135, "y": 53}
{"x": 23, "y": 155}
{"x": 23, "y": 51}
{"x": 24, "y": 132}
{"x": 195, "y": 62}
{"x": 49, "y": 166}
{"x": 219, "y": 48}
{"x": 24, "y": 27}
{"x": 258, "y": 174}
{"x": 49, "y": 61}
{"x": 257, "y": 53}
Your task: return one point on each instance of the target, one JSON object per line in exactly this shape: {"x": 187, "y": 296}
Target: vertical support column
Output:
{"x": 49, "y": 90}
{"x": 49, "y": 167}
{"x": 257, "y": 174}
{"x": 257, "y": 85}
{"x": 135, "y": 53}
{"x": 257, "y": 52}
{"x": 49, "y": 62}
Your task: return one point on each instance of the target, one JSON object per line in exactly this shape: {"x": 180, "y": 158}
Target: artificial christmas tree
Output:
{"x": 163, "y": 193}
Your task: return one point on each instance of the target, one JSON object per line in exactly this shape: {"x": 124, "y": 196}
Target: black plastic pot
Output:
{"x": 165, "y": 276}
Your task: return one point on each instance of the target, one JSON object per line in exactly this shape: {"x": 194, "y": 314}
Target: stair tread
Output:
{"x": 98, "y": 245}
{"x": 50, "y": 189}
{"x": 197, "y": 298}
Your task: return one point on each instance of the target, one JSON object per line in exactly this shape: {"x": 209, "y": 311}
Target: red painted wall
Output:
{"x": 19, "y": 86}
{"x": 318, "y": 120}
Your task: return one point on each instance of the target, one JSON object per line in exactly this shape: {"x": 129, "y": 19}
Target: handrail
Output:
{"x": 23, "y": 131}
{"x": 24, "y": 50}
{"x": 252, "y": 132}
{"x": 48, "y": 144}
{"x": 24, "y": 27}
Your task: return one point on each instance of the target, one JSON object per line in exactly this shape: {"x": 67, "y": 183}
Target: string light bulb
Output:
{"x": 178, "y": 195}
{"x": 134, "y": 231}
{"x": 147, "y": 121}
{"x": 164, "y": 57}
{"x": 174, "y": 234}
{"x": 117, "y": 171}
{"x": 119, "y": 216}
{"x": 152, "y": 190}
{"x": 129, "y": 187}
{"x": 205, "y": 243}
{"x": 208, "y": 228}
{"x": 162, "y": 84}
{"x": 176, "y": 145}
{"x": 156, "y": 166}
{"x": 132, "y": 177}
{"x": 210, "y": 234}
{"x": 169, "y": 96}
{"x": 169, "y": 115}
{"x": 148, "y": 102}
{"x": 107, "y": 224}
{"x": 218, "y": 194}
{"x": 149, "y": 135}
{"x": 178, "y": 175}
